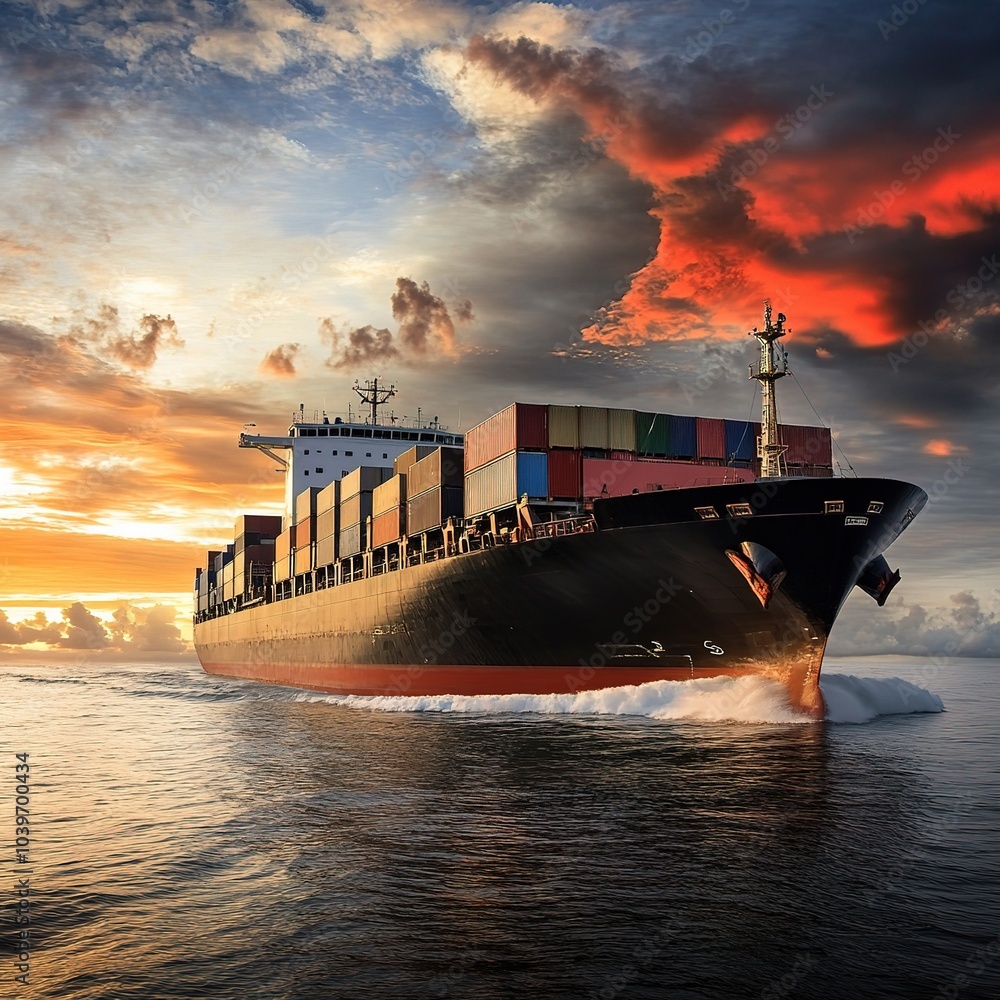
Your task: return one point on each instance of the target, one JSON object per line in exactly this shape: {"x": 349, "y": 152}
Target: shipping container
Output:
{"x": 363, "y": 479}
{"x": 443, "y": 467}
{"x": 807, "y": 445}
{"x": 305, "y": 503}
{"x": 388, "y": 526}
{"x": 711, "y": 433}
{"x": 267, "y": 525}
{"x": 593, "y": 426}
{"x": 683, "y": 436}
{"x": 390, "y": 495}
{"x": 519, "y": 426}
{"x": 326, "y": 550}
{"x": 621, "y": 430}
{"x": 282, "y": 568}
{"x": 328, "y": 498}
{"x": 326, "y": 523}
{"x": 503, "y": 482}
{"x": 605, "y": 478}
{"x": 355, "y": 509}
{"x": 741, "y": 440}
{"x": 564, "y": 427}
{"x": 615, "y": 456}
{"x": 402, "y": 463}
{"x": 651, "y": 434}
{"x": 304, "y": 533}
{"x": 303, "y": 559}
{"x": 351, "y": 540}
{"x": 432, "y": 508}
{"x": 283, "y": 545}
{"x": 565, "y": 473}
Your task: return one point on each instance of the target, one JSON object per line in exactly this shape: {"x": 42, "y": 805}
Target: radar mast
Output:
{"x": 374, "y": 395}
{"x": 773, "y": 365}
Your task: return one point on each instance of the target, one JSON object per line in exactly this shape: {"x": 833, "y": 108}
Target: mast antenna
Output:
{"x": 773, "y": 365}
{"x": 374, "y": 395}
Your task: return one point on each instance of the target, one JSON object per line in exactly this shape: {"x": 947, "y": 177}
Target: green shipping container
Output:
{"x": 652, "y": 434}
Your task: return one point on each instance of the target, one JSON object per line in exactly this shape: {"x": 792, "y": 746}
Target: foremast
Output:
{"x": 773, "y": 365}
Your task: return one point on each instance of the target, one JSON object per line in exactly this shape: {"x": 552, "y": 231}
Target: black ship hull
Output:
{"x": 710, "y": 581}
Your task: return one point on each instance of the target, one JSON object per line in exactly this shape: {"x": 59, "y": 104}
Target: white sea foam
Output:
{"x": 717, "y": 699}
{"x": 861, "y": 699}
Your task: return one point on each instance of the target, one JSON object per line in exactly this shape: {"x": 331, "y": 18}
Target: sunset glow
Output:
{"x": 211, "y": 219}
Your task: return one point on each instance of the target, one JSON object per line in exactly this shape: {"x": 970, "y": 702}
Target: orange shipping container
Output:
{"x": 388, "y": 526}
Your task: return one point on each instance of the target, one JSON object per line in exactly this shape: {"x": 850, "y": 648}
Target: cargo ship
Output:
{"x": 549, "y": 549}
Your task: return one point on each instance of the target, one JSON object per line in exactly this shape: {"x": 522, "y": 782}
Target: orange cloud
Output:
{"x": 749, "y": 211}
{"x": 941, "y": 447}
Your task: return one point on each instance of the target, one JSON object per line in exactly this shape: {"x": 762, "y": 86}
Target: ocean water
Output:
{"x": 192, "y": 836}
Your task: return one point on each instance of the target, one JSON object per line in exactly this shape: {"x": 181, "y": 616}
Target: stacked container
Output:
{"x": 503, "y": 482}
{"x": 807, "y": 447}
{"x": 652, "y": 436}
{"x": 283, "y": 556}
{"x": 305, "y": 530}
{"x": 711, "y": 435}
{"x": 434, "y": 490}
{"x": 389, "y": 510}
{"x": 356, "y": 507}
{"x": 401, "y": 464}
{"x": 327, "y": 523}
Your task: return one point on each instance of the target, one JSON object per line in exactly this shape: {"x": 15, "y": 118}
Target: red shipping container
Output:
{"x": 622, "y": 456}
{"x": 605, "y": 478}
{"x": 519, "y": 426}
{"x": 711, "y": 433}
{"x": 565, "y": 474}
{"x": 806, "y": 445}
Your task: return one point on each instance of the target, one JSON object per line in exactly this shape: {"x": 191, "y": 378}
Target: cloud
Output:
{"x": 138, "y": 349}
{"x": 961, "y": 628}
{"x": 281, "y": 361}
{"x": 83, "y": 630}
{"x": 357, "y": 347}
{"x": 424, "y": 321}
{"x": 131, "y": 629}
{"x": 426, "y": 329}
{"x": 757, "y": 167}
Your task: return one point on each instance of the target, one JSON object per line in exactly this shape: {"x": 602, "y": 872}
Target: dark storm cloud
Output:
{"x": 930, "y": 278}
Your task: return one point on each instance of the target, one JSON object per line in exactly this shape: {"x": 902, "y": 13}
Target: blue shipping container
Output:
{"x": 741, "y": 440}
{"x": 533, "y": 474}
{"x": 683, "y": 436}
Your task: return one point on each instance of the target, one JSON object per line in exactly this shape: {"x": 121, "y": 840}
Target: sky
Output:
{"x": 215, "y": 211}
